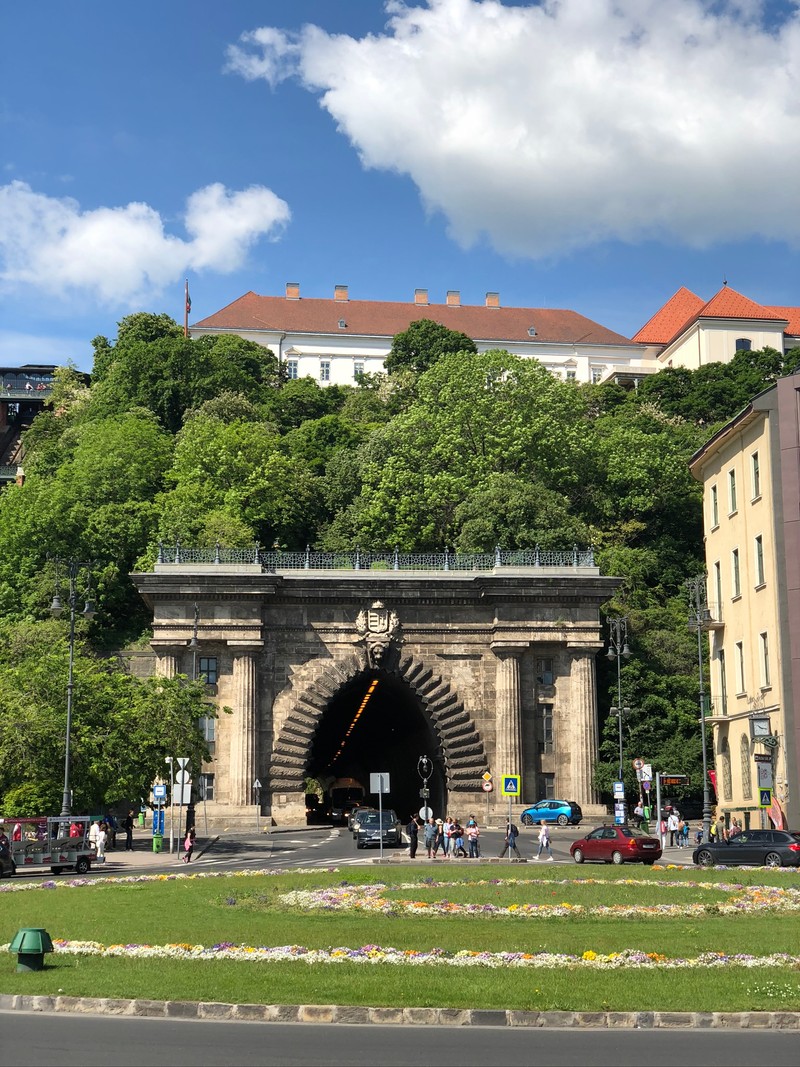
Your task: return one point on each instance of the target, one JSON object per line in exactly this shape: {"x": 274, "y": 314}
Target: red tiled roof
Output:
{"x": 385, "y": 319}
{"x": 728, "y": 304}
{"x": 792, "y": 314}
{"x": 669, "y": 320}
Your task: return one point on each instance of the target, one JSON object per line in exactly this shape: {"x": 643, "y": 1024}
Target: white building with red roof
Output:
{"x": 334, "y": 340}
{"x": 690, "y": 332}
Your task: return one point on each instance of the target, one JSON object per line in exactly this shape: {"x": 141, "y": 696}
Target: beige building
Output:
{"x": 750, "y": 472}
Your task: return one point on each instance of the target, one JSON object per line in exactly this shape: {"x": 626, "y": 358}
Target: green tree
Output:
{"x": 423, "y": 344}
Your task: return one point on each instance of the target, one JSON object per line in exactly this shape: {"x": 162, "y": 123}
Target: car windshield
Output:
{"x": 373, "y": 820}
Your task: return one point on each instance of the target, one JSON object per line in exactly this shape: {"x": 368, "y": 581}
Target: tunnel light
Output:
{"x": 373, "y": 686}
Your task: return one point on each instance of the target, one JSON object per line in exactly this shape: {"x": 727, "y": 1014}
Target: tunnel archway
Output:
{"x": 376, "y": 722}
{"x": 416, "y": 712}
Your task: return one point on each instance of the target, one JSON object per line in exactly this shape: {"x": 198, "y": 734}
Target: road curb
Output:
{"x": 356, "y": 1014}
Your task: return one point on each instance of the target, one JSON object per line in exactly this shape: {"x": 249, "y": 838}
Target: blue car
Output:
{"x": 563, "y": 812}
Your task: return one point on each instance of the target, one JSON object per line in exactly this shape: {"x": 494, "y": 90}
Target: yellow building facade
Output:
{"x": 750, "y": 472}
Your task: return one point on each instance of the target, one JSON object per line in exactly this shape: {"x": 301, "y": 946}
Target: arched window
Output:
{"x": 725, "y": 769}
{"x": 743, "y": 344}
{"x": 747, "y": 777}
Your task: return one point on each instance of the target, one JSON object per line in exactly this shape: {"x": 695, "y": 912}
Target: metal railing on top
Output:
{"x": 393, "y": 560}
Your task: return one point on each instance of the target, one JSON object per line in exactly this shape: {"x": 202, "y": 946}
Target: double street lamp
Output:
{"x": 73, "y": 567}
{"x": 701, "y": 620}
{"x": 618, "y": 649}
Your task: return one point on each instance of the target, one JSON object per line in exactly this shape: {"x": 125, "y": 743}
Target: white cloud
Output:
{"x": 557, "y": 125}
{"x": 122, "y": 255}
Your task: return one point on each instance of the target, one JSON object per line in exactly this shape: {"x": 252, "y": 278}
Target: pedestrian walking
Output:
{"x": 473, "y": 833}
{"x": 413, "y": 836}
{"x": 429, "y": 837}
{"x": 672, "y": 827}
{"x": 439, "y": 840}
{"x": 544, "y": 842}
{"x": 512, "y": 833}
{"x": 102, "y": 837}
{"x": 127, "y": 826}
{"x": 188, "y": 846}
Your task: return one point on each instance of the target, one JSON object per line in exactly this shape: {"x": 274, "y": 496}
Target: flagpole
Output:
{"x": 187, "y": 307}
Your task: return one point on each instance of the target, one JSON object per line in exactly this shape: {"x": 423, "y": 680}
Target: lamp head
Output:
{"x": 89, "y": 610}
{"x": 56, "y": 608}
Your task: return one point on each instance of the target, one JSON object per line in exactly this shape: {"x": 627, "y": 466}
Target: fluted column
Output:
{"x": 583, "y": 735}
{"x": 508, "y": 748}
{"x": 243, "y": 730}
{"x": 166, "y": 663}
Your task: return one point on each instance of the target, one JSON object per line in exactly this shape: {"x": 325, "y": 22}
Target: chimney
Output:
{"x": 420, "y": 296}
{"x": 292, "y": 290}
{"x": 340, "y": 292}
{"x": 493, "y": 300}
{"x": 453, "y": 298}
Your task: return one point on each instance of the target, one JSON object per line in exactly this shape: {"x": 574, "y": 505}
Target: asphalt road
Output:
{"x": 34, "y": 1039}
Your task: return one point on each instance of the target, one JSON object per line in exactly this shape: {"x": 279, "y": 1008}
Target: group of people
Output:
{"x": 446, "y": 835}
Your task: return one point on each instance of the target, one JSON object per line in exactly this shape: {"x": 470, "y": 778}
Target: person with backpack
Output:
{"x": 512, "y": 833}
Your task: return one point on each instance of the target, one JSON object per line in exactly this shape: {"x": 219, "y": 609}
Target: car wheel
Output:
{"x": 359, "y": 844}
{"x": 773, "y": 859}
{"x": 577, "y": 855}
{"x": 563, "y": 820}
{"x": 82, "y": 866}
{"x": 56, "y": 870}
{"x": 527, "y": 820}
{"x": 648, "y": 863}
{"x": 616, "y": 858}
{"x": 705, "y": 858}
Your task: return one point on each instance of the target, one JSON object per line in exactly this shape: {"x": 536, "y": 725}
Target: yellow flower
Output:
{"x": 589, "y": 955}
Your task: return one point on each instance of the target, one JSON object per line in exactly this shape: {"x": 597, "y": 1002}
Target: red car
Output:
{"x": 616, "y": 844}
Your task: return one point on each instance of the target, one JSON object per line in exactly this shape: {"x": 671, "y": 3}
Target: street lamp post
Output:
{"x": 700, "y": 621}
{"x": 73, "y": 568}
{"x": 617, "y": 649}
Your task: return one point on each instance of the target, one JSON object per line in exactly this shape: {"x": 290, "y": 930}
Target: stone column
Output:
{"x": 167, "y": 660}
{"x": 243, "y": 730}
{"x": 508, "y": 747}
{"x": 582, "y": 742}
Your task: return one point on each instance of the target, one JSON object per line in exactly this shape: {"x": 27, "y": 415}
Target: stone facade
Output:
{"x": 491, "y": 671}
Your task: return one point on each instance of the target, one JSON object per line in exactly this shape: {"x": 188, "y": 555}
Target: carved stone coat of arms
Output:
{"x": 377, "y": 627}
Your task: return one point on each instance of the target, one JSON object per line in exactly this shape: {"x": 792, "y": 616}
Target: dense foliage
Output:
{"x": 201, "y": 440}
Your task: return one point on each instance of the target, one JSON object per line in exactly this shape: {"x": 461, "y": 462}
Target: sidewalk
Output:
{"x": 118, "y": 860}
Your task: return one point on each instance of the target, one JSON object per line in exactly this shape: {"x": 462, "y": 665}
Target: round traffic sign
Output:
{"x": 638, "y": 764}
{"x": 182, "y": 777}
{"x": 426, "y": 813}
{"x": 487, "y": 787}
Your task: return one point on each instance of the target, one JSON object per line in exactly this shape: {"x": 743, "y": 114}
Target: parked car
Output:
{"x": 376, "y": 826}
{"x": 756, "y": 848}
{"x": 7, "y": 864}
{"x": 562, "y": 812}
{"x": 616, "y": 844}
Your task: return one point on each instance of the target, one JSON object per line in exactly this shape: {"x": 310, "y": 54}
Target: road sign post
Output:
{"x": 257, "y": 791}
{"x": 379, "y": 783}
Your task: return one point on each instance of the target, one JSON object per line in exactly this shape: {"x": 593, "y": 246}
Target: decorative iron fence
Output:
{"x": 358, "y": 560}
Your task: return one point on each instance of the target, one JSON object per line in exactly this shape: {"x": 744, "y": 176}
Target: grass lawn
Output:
{"x": 249, "y": 910}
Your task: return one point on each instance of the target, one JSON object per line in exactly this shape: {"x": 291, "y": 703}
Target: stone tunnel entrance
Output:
{"x": 376, "y": 723}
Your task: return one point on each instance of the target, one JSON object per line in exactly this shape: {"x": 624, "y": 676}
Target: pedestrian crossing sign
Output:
{"x": 511, "y": 785}
{"x": 764, "y": 798}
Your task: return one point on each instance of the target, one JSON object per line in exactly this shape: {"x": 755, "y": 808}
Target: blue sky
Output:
{"x": 587, "y": 154}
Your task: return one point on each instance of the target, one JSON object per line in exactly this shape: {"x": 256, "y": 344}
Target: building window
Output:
{"x": 739, "y": 667}
{"x": 208, "y": 728}
{"x": 747, "y": 777}
{"x": 546, "y": 787}
{"x": 597, "y": 374}
{"x": 723, "y": 681}
{"x": 206, "y": 786}
{"x": 571, "y": 375}
{"x": 324, "y": 370}
{"x": 755, "y": 471}
{"x": 731, "y": 492}
{"x": 544, "y": 713}
{"x": 714, "y": 507}
{"x": 358, "y": 368}
{"x": 207, "y": 668}
{"x": 736, "y": 586}
{"x": 759, "y": 560}
{"x": 765, "y": 674}
{"x": 544, "y": 672}
{"x": 725, "y": 769}
{"x": 292, "y": 369}
{"x": 743, "y": 344}
{"x": 716, "y": 609}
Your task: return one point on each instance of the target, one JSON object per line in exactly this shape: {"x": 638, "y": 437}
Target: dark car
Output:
{"x": 563, "y": 812}
{"x": 376, "y": 826}
{"x": 7, "y": 864}
{"x": 616, "y": 844}
{"x": 754, "y": 848}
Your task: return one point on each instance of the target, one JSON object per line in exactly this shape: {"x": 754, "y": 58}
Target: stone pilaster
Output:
{"x": 243, "y": 730}
{"x": 582, "y": 743}
{"x": 167, "y": 659}
{"x": 508, "y": 748}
